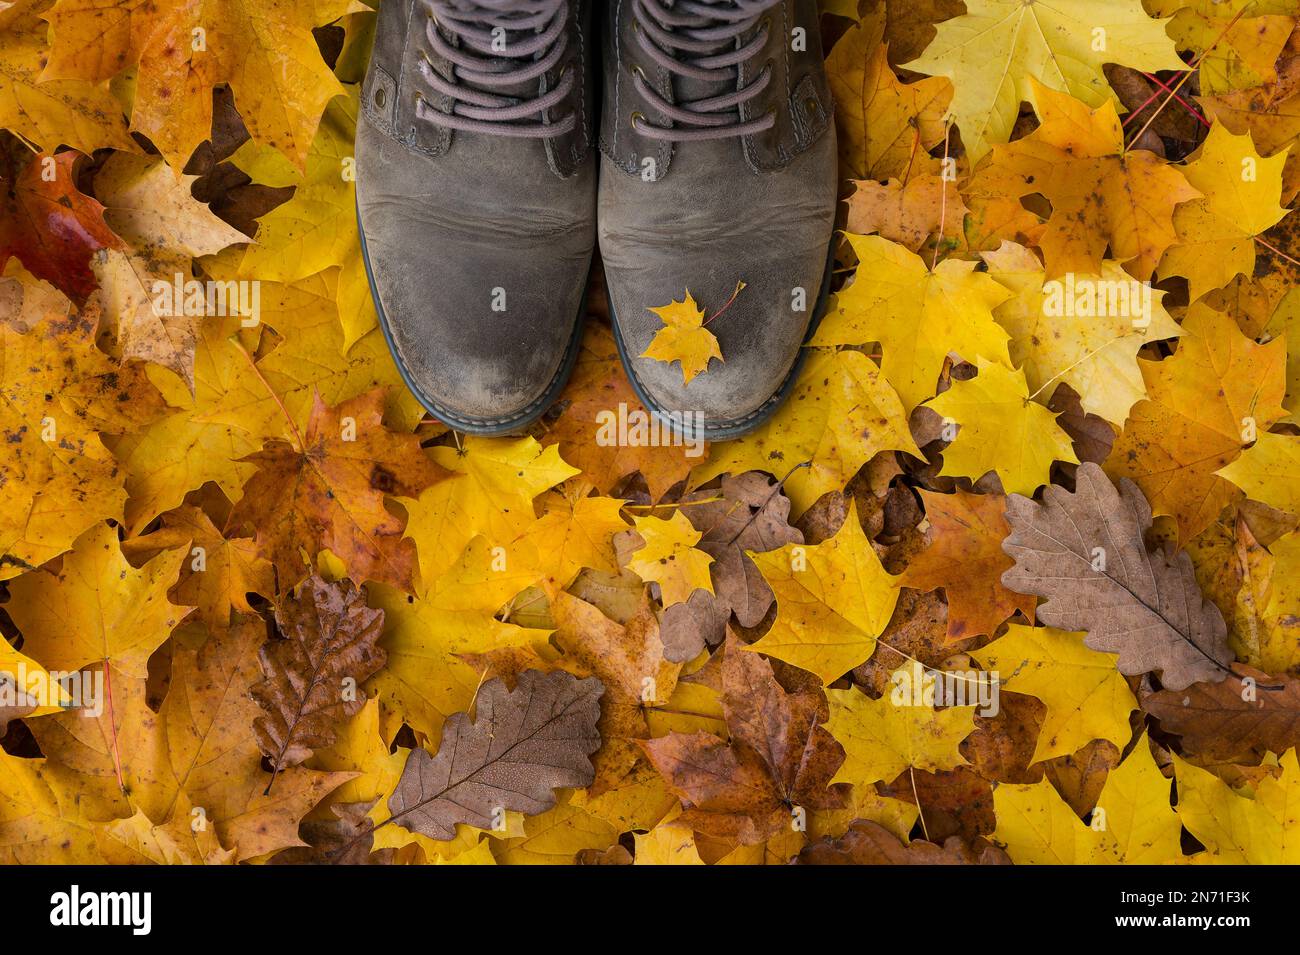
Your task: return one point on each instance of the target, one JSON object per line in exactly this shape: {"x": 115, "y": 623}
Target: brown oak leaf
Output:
{"x": 749, "y": 512}
{"x": 1086, "y": 553}
{"x": 627, "y": 656}
{"x": 329, "y": 647}
{"x": 523, "y": 745}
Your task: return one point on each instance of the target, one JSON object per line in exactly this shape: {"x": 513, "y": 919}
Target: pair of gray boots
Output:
{"x": 481, "y": 196}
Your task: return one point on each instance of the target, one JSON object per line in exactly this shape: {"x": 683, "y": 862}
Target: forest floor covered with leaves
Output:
{"x": 1010, "y": 578}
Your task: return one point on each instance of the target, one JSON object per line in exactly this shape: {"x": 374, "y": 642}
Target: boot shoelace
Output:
{"x": 697, "y": 39}
{"x": 503, "y": 43}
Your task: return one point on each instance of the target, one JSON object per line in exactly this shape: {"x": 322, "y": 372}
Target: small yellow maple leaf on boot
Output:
{"x": 684, "y": 337}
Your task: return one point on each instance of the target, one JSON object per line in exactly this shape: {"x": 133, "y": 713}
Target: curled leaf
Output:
{"x": 311, "y": 676}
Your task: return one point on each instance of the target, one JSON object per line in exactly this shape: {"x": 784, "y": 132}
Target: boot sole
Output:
{"x": 484, "y": 427}
{"x": 734, "y": 427}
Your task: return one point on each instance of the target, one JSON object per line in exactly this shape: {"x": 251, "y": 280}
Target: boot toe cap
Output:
{"x": 485, "y": 356}
{"x": 480, "y": 297}
{"x": 760, "y": 335}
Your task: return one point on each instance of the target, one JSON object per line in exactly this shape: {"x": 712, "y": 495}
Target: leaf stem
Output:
{"x": 722, "y": 311}
{"x": 943, "y": 197}
{"x": 1187, "y": 74}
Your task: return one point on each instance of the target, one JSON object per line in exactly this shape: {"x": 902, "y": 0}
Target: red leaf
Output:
{"x": 50, "y": 226}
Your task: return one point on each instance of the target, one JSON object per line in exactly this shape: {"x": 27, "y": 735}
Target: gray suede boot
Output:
{"x": 719, "y": 167}
{"x": 476, "y": 192}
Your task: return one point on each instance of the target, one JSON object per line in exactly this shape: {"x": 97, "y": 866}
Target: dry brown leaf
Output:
{"x": 869, "y": 843}
{"x": 750, "y": 513}
{"x": 1230, "y": 721}
{"x": 522, "y": 746}
{"x": 779, "y": 759}
{"x": 1086, "y": 553}
{"x": 965, "y": 558}
{"x": 313, "y": 675}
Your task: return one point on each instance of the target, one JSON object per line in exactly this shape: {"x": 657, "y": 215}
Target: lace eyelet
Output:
{"x": 637, "y": 115}
{"x": 379, "y": 97}
{"x": 637, "y": 71}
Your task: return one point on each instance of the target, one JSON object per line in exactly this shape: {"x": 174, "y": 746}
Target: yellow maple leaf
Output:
{"x": 480, "y": 854}
{"x": 42, "y": 820}
{"x": 555, "y": 837}
{"x": 832, "y": 600}
{"x": 489, "y": 493}
{"x": 361, "y": 748}
{"x": 841, "y": 413}
{"x": 1216, "y": 234}
{"x": 1234, "y": 51}
{"x": 265, "y": 52}
{"x": 637, "y": 801}
{"x": 669, "y": 843}
{"x": 316, "y": 229}
{"x": 138, "y": 841}
{"x": 919, "y": 316}
{"x": 1269, "y": 471}
{"x": 426, "y": 636}
{"x": 145, "y": 288}
{"x": 574, "y": 532}
{"x": 195, "y": 750}
{"x": 1205, "y": 403}
{"x": 1102, "y": 193}
{"x": 205, "y": 439}
{"x": 1086, "y": 697}
{"x": 1238, "y": 829}
{"x": 669, "y": 557}
{"x": 1133, "y": 822}
{"x": 218, "y": 573}
{"x": 999, "y": 48}
{"x": 235, "y": 407}
{"x": 1084, "y": 332}
{"x": 909, "y": 212}
{"x": 48, "y": 112}
{"x": 59, "y": 398}
{"x": 684, "y": 339}
{"x": 38, "y": 690}
{"x": 97, "y": 607}
{"x": 883, "y": 124}
{"x": 1273, "y": 645}
{"x": 887, "y": 736}
{"x": 896, "y": 815}
{"x": 1002, "y": 430}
